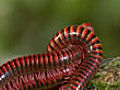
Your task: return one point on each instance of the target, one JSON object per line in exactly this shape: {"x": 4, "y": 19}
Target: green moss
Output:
{"x": 118, "y": 84}
{"x": 101, "y": 84}
{"x": 119, "y": 73}
{"x": 116, "y": 63}
{"x": 97, "y": 75}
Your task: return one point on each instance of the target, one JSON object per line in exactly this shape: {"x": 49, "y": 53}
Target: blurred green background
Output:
{"x": 26, "y": 26}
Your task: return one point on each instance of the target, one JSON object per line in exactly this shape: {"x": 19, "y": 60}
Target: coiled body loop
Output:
{"x": 74, "y": 56}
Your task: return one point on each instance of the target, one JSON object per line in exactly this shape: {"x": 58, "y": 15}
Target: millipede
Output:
{"x": 73, "y": 57}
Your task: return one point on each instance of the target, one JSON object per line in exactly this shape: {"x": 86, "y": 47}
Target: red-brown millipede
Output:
{"x": 74, "y": 56}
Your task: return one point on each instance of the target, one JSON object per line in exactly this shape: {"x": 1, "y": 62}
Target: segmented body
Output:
{"x": 74, "y": 56}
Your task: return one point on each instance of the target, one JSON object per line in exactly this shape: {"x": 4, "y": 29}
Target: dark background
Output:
{"x": 26, "y": 26}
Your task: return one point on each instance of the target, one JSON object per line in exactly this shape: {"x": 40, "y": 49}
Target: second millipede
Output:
{"x": 74, "y": 56}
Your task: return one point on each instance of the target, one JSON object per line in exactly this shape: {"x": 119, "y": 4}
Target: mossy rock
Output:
{"x": 108, "y": 77}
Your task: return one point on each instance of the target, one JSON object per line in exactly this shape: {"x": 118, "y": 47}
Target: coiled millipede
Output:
{"x": 74, "y": 56}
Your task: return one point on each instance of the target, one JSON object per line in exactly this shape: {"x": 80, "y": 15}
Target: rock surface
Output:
{"x": 108, "y": 77}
